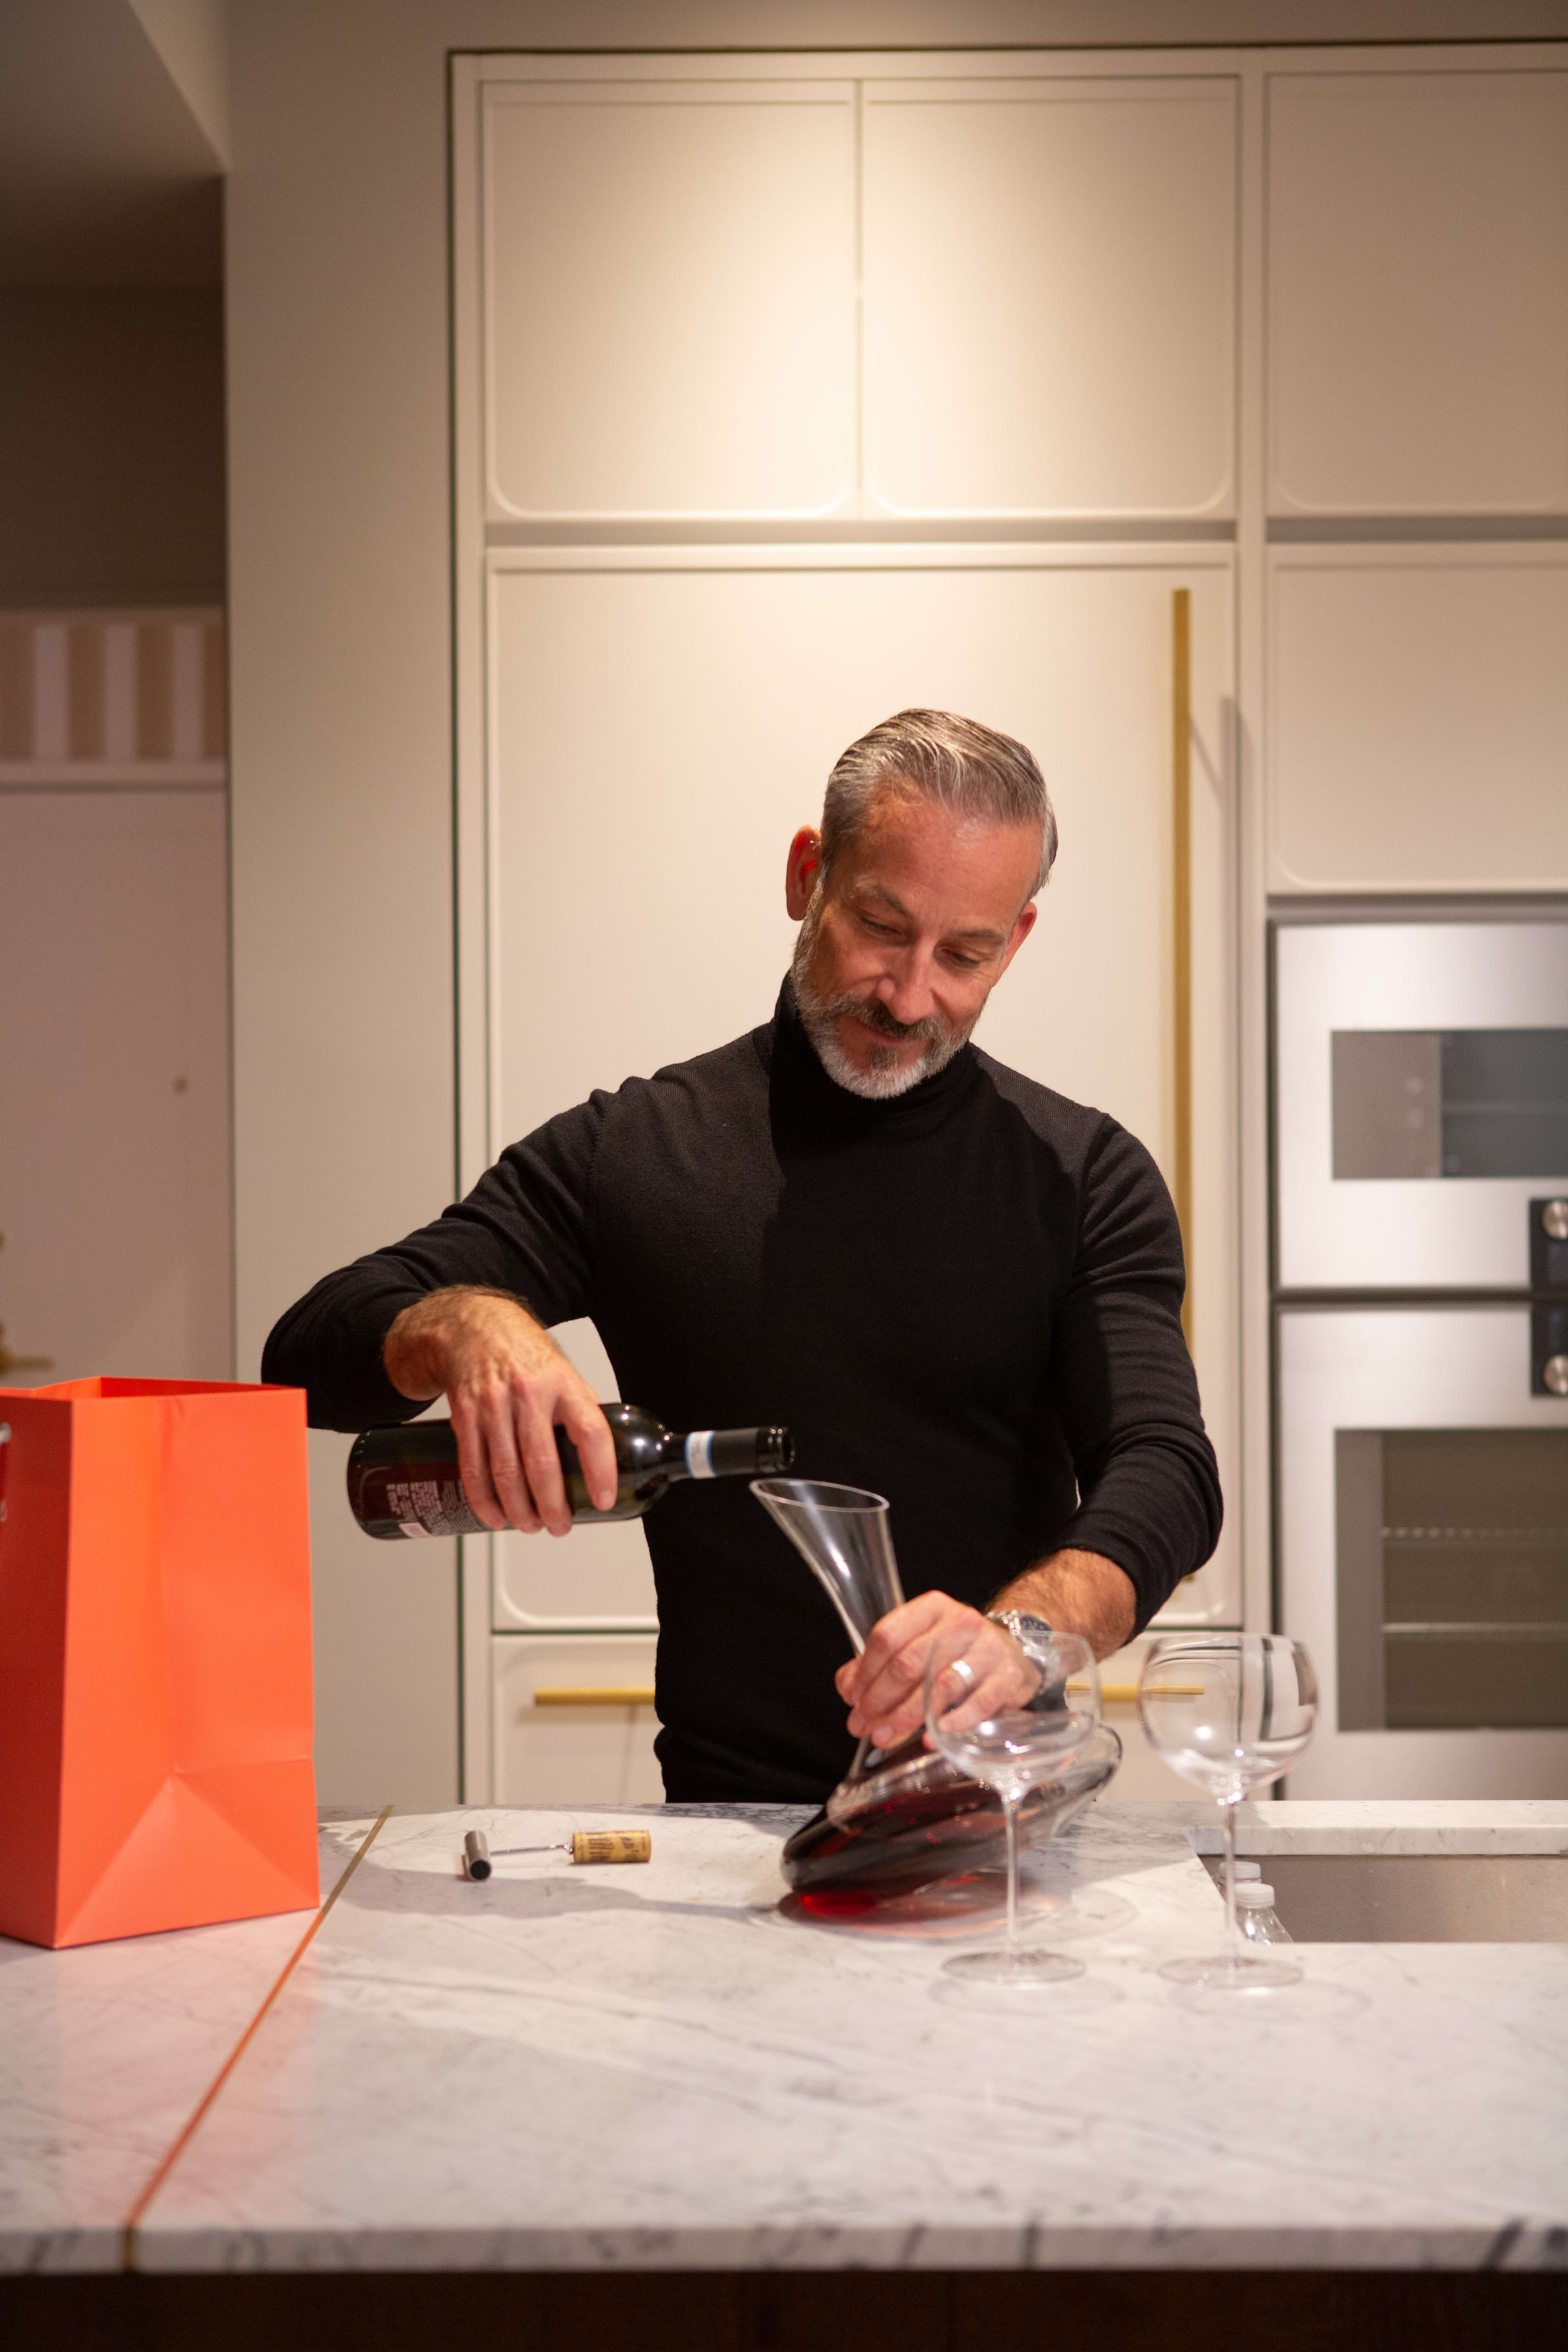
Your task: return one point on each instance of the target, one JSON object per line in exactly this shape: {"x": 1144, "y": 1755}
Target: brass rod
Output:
{"x": 1126, "y": 1694}
{"x": 595, "y": 1694}
{"x": 1182, "y": 924}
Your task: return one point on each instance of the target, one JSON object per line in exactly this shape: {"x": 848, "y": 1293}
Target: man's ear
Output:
{"x": 1021, "y": 929}
{"x": 803, "y": 871}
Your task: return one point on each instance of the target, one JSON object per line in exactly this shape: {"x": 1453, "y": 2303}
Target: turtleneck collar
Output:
{"x": 802, "y": 1092}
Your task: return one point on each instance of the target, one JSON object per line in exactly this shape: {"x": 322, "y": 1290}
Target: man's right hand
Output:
{"x": 509, "y": 1388}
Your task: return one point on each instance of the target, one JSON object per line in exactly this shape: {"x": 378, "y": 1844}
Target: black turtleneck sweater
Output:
{"x": 966, "y": 1299}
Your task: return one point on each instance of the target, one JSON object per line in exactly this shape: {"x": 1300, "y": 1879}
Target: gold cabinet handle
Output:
{"x": 595, "y": 1694}
{"x": 1126, "y": 1694}
{"x": 1182, "y": 924}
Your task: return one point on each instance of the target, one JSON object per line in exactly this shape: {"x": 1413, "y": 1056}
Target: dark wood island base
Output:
{"x": 789, "y": 2311}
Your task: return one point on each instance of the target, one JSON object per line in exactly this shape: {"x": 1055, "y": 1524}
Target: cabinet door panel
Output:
{"x": 1418, "y": 293}
{"x": 1049, "y": 274}
{"x": 669, "y": 298}
{"x": 593, "y": 1751}
{"x": 1418, "y": 718}
{"x": 722, "y": 691}
{"x": 114, "y": 1085}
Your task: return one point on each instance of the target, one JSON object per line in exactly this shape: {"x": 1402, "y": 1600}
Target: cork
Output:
{"x": 612, "y": 1846}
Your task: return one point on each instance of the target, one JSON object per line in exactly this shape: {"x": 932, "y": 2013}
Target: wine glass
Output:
{"x": 1010, "y": 1713}
{"x": 1227, "y": 1711}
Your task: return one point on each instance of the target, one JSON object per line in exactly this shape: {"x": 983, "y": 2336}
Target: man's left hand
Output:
{"x": 885, "y": 1685}
{"x": 1076, "y": 1591}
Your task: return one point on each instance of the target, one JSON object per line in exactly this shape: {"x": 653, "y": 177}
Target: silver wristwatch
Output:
{"x": 1021, "y": 1626}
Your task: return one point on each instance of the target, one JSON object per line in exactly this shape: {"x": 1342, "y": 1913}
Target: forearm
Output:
{"x": 1077, "y": 1592}
{"x": 330, "y": 1344}
{"x": 418, "y": 1350}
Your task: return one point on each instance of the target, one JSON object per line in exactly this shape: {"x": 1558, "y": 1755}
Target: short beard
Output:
{"x": 887, "y": 1076}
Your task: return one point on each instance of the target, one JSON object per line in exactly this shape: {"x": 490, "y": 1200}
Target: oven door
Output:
{"x": 1424, "y": 1551}
{"x": 1421, "y": 1101}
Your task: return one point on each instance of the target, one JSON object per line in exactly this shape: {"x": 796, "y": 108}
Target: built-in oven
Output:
{"x": 1420, "y": 1103}
{"x": 1421, "y": 1302}
{"x": 1423, "y": 1557}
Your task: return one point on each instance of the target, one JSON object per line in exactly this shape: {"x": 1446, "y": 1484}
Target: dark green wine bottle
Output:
{"x": 404, "y": 1481}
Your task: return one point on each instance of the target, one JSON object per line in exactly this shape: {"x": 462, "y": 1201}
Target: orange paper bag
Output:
{"x": 154, "y": 1658}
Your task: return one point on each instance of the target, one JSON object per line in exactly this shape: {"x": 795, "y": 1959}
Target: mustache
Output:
{"x": 874, "y": 1013}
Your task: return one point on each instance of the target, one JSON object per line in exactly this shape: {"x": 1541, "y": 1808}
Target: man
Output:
{"x": 953, "y": 1286}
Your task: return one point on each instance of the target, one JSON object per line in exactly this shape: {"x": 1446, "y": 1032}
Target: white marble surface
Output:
{"x": 104, "y": 2050}
{"x": 651, "y": 2067}
{"x": 655, "y": 2067}
{"x": 1386, "y": 1825}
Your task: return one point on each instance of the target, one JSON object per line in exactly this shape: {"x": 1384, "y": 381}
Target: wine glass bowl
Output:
{"x": 1229, "y": 1712}
{"x": 1011, "y": 1714}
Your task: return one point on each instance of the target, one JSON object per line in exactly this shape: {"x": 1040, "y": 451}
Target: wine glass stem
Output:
{"x": 1010, "y": 1814}
{"x": 1232, "y": 1940}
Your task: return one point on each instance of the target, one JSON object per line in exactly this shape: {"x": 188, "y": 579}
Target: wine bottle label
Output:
{"x": 431, "y": 1507}
{"x": 700, "y": 1455}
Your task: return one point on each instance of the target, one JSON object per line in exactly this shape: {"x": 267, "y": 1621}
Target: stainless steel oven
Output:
{"x": 1421, "y": 1101}
{"x": 1424, "y": 1551}
{"x": 1421, "y": 1249}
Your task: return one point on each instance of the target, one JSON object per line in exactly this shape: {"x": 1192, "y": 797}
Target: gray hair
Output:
{"x": 963, "y": 766}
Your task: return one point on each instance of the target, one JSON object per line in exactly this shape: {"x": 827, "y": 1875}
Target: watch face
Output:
{"x": 1024, "y": 1627}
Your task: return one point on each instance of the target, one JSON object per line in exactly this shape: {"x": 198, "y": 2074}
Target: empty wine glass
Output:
{"x": 1011, "y": 1714}
{"x": 1228, "y": 1711}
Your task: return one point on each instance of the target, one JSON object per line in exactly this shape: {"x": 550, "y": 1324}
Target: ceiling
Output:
{"x": 106, "y": 178}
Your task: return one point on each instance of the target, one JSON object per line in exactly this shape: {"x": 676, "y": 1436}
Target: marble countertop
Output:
{"x": 659, "y": 2066}
{"x": 1385, "y": 1825}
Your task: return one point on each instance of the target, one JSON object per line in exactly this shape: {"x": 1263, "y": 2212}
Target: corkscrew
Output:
{"x": 582, "y": 1845}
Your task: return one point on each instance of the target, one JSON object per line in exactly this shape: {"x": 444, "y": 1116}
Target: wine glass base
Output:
{"x": 1218, "y": 1972}
{"x": 1017, "y": 1969}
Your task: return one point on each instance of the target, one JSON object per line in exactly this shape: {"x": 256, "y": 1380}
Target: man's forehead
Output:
{"x": 901, "y": 813}
{"x": 900, "y": 836}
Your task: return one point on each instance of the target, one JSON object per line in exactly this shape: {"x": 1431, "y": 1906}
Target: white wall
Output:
{"x": 340, "y": 606}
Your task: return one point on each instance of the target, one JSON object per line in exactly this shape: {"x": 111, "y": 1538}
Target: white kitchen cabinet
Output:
{"x": 573, "y": 1720}
{"x": 115, "y": 1231}
{"x": 667, "y": 298}
{"x": 596, "y": 1579}
{"x": 1417, "y": 292}
{"x": 1417, "y": 718}
{"x": 722, "y": 684}
{"x": 1050, "y": 296}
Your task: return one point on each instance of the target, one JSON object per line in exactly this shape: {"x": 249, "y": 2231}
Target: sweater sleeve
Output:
{"x": 1148, "y": 1495}
{"x": 525, "y": 1228}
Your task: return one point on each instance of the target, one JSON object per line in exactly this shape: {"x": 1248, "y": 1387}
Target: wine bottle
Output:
{"x": 406, "y": 1481}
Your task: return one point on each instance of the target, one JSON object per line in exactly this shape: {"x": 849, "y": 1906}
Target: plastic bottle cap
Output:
{"x": 1247, "y": 1870}
{"x": 1256, "y": 1896}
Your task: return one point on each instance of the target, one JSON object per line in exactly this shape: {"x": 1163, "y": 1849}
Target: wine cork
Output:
{"x": 612, "y": 1846}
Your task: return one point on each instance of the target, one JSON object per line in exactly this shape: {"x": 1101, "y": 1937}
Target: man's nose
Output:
{"x": 905, "y": 987}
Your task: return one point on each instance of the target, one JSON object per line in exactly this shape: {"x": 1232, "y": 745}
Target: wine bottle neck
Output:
{"x": 734, "y": 1453}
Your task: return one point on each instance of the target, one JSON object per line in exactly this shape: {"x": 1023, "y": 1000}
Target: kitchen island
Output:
{"x": 662, "y": 2068}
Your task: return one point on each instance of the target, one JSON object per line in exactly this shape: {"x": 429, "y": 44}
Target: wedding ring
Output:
{"x": 961, "y": 1666}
